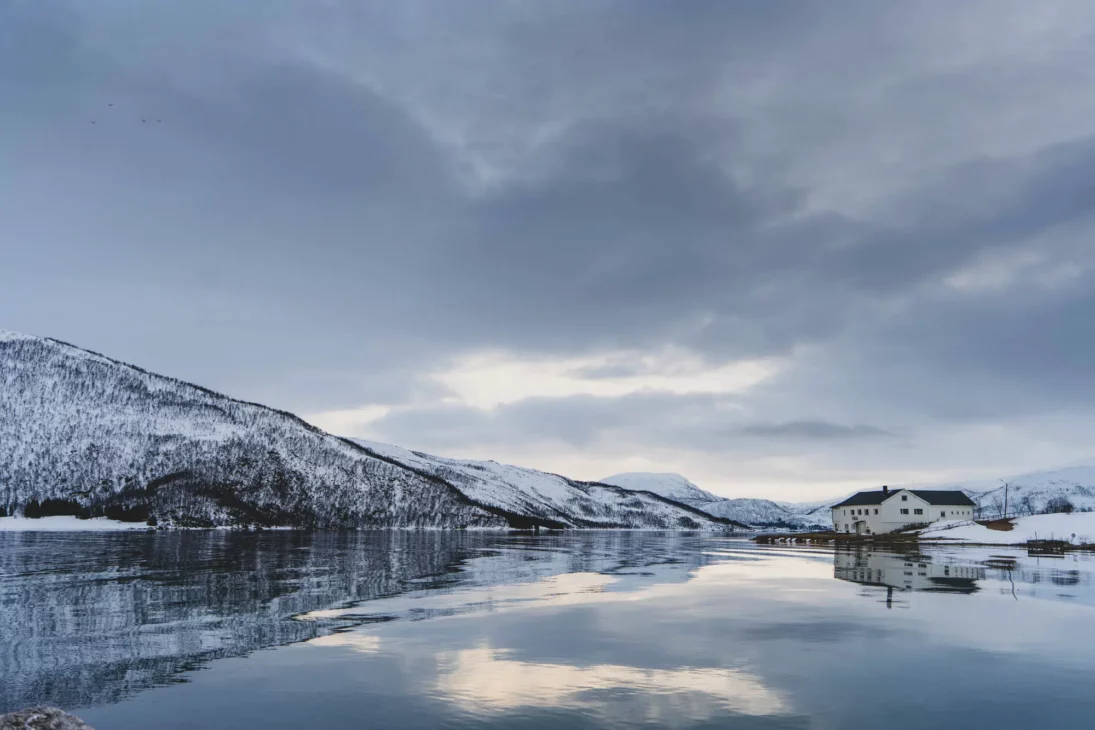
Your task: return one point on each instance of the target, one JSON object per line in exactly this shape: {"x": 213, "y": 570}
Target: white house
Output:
{"x": 886, "y": 510}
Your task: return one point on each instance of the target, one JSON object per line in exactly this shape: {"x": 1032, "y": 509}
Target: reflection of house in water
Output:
{"x": 968, "y": 570}
{"x": 911, "y": 572}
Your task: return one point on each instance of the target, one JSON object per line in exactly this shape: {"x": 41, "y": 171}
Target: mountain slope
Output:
{"x": 81, "y": 433}
{"x": 114, "y": 439}
{"x": 750, "y": 511}
{"x": 673, "y": 486}
{"x": 1031, "y": 493}
{"x": 764, "y": 513}
{"x": 1027, "y": 494}
{"x": 550, "y": 496}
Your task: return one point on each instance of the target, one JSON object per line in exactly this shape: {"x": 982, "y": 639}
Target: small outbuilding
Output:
{"x": 886, "y": 510}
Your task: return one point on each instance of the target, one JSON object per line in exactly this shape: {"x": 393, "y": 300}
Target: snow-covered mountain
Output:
{"x": 82, "y": 433}
{"x": 750, "y": 511}
{"x": 1027, "y": 494}
{"x": 527, "y": 491}
{"x": 766, "y": 513}
{"x": 673, "y": 486}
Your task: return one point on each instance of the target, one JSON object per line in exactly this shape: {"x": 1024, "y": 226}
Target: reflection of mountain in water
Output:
{"x": 89, "y": 618}
{"x": 910, "y": 572}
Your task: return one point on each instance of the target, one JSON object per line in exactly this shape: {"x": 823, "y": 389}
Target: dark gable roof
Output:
{"x": 861, "y": 498}
{"x": 945, "y": 497}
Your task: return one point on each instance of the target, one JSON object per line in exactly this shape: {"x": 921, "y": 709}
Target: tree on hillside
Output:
{"x": 1059, "y": 505}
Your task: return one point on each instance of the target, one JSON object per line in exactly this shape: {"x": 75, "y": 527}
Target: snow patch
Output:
{"x": 66, "y": 524}
{"x": 1076, "y": 528}
{"x": 669, "y": 485}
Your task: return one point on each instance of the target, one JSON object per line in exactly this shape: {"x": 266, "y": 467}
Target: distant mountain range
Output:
{"x": 751, "y": 511}
{"x": 1027, "y": 494}
{"x": 83, "y": 434}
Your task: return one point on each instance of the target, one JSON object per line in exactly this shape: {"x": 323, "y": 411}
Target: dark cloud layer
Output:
{"x": 325, "y": 207}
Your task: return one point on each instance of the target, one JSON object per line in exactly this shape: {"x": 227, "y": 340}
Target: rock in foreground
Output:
{"x": 42, "y": 718}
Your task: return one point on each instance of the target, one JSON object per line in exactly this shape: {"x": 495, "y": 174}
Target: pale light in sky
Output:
{"x": 786, "y": 249}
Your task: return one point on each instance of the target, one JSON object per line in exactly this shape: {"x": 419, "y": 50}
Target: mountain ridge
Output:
{"x": 754, "y": 511}
{"x": 301, "y": 475}
{"x": 86, "y": 434}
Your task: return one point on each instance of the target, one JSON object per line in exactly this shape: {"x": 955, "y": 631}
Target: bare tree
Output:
{"x": 1059, "y": 505}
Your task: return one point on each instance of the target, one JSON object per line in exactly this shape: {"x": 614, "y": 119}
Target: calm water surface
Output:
{"x": 427, "y": 630}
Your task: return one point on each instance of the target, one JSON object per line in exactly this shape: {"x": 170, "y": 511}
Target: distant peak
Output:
{"x": 9, "y": 336}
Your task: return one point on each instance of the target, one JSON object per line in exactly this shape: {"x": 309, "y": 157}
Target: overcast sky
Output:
{"x": 785, "y": 249}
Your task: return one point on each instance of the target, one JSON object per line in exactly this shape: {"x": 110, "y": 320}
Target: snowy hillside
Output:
{"x": 1031, "y": 493}
{"x": 1077, "y": 528}
{"x": 83, "y": 434}
{"x": 673, "y": 486}
{"x": 550, "y": 496}
{"x": 750, "y": 511}
{"x": 1027, "y": 494}
{"x": 765, "y": 513}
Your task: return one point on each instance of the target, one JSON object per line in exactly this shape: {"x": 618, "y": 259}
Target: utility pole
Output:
{"x": 1005, "y": 499}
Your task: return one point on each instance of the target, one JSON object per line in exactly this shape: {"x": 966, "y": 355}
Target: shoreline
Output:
{"x": 837, "y": 539}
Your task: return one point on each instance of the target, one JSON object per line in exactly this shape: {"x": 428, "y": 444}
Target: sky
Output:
{"x": 785, "y": 249}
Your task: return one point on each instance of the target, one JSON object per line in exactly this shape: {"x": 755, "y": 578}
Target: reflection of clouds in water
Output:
{"x": 557, "y": 590}
{"x": 484, "y": 678}
{"x": 361, "y": 643}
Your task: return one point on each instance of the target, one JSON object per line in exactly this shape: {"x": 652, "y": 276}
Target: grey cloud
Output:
{"x": 820, "y": 430}
{"x": 340, "y": 199}
{"x": 577, "y": 421}
{"x": 645, "y": 420}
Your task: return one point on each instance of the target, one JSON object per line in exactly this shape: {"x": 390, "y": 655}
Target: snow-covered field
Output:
{"x": 66, "y": 524}
{"x": 1077, "y": 528}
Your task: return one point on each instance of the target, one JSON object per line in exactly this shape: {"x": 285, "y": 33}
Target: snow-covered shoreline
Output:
{"x": 102, "y": 524}
{"x": 1077, "y": 528}
{"x": 67, "y": 524}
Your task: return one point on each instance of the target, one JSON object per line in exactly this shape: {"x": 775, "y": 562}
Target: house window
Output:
{"x": 904, "y": 498}
{"x": 876, "y": 510}
{"x": 942, "y": 514}
{"x": 904, "y": 512}
{"x": 918, "y": 511}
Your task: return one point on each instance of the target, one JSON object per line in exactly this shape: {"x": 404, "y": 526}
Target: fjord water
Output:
{"x": 587, "y": 630}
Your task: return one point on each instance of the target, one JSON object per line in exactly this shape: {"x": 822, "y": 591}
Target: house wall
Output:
{"x": 844, "y": 518}
{"x": 889, "y": 517}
